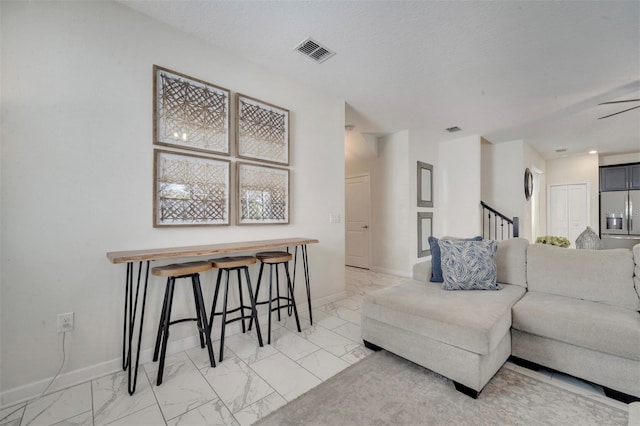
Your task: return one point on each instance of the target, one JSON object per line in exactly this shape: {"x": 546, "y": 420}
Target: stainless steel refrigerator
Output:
{"x": 620, "y": 218}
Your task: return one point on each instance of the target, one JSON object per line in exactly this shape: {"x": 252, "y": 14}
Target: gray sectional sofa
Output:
{"x": 576, "y": 311}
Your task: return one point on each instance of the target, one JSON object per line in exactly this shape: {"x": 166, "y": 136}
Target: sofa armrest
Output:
{"x": 422, "y": 271}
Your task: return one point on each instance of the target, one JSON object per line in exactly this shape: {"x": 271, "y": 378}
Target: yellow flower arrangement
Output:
{"x": 554, "y": 241}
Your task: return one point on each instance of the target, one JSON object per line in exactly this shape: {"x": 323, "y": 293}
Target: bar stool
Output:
{"x": 273, "y": 259}
{"x": 173, "y": 272}
{"x": 228, "y": 264}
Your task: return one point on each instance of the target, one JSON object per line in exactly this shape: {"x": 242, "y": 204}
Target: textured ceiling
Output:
{"x": 505, "y": 70}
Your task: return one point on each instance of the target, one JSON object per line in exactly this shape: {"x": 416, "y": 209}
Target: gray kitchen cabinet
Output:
{"x": 620, "y": 178}
{"x": 634, "y": 179}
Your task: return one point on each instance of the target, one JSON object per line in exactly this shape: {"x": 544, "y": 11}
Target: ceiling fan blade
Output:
{"x": 619, "y": 102}
{"x": 619, "y": 112}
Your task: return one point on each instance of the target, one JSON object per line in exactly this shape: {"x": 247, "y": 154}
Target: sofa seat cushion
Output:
{"x": 582, "y": 323}
{"x": 475, "y": 321}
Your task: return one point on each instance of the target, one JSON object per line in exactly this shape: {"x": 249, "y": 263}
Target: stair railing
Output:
{"x": 494, "y": 222}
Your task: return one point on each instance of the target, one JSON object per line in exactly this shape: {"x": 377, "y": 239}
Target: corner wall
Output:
{"x": 76, "y": 175}
{"x": 501, "y": 164}
{"x": 459, "y": 162}
{"x": 534, "y": 161}
{"x": 390, "y": 205}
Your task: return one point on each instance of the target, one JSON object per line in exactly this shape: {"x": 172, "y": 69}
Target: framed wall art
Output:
{"x": 425, "y": 230}
{"x": 190, "y": 190}
{"x": 189, "y": 113}
{"x": 425, "y": 184}
{"x": 262, "y": 194}
{"x": 262, "y": 131}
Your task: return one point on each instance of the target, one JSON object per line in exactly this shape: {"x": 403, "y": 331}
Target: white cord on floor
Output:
{"x": 50, "y": 383}
{"x": 64, "y": 356}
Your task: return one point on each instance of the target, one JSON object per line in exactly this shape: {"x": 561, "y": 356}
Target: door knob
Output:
{"x": 365, "y": 227}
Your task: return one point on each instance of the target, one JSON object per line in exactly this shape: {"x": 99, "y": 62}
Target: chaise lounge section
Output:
{"x": 463, "y": 335}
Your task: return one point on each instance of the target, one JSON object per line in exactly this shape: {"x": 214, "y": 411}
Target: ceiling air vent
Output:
{"x": 314, "y": 50}
{"x": 453, "y": 129}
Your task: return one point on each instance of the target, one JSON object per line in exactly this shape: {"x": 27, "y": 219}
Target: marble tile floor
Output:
{"x": 251, "y": 381}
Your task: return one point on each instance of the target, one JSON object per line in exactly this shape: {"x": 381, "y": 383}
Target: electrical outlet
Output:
{"x": 65, "y": 322}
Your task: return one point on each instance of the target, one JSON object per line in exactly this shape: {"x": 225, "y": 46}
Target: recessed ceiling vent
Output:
{"x": 453, "y": 129}
{"x": 314, "y": 50}
{"x": 561, "y": 150}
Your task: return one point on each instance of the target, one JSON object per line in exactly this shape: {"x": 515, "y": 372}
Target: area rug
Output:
{"x": 384, "y": 389}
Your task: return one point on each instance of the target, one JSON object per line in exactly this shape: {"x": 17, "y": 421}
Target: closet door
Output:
{"x": 578, "y": 211}
{"x": 558, "y": 211}
{"x": 568, "y": 210}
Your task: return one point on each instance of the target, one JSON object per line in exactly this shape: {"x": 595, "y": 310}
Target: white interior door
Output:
{"x": 578, "y": 211}
{"x": 558, "y": 211}
{"x": 568, "y": 210}
{"x": 357, "y": 239}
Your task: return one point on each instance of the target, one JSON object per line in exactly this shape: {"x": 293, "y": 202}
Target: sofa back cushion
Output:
{"x": 511, "y": 261}
{"x": 604, "y": 276}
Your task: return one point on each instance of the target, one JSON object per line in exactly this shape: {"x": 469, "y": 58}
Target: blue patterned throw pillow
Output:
{"x": 436, "y": 261}
{"x": 469, "y": 265}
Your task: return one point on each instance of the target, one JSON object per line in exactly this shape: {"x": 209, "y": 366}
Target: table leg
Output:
{"x": 305, "y": 267}
{"x": 130, "y": 314}
{"x": 305, "y": 264}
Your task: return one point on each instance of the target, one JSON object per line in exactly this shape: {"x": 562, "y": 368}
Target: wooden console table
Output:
{"x": 131, "y": 302}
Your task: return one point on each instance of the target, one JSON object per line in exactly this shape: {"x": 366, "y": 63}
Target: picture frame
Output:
{"x": 189, "y": 113}
{"x": 262, "y": 194}
{"x": 425, "y": 184}
{"x": 190, "y": 190}
{"x": 262, "y": 131}
{"x": 425, "y": 230}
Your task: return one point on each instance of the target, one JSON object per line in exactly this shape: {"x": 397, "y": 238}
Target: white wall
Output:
{"x": 534, "y": 161}
{"x": 76, "y": 176}
{"x": 360, "y": 150}
{"x": 459, "y": 162}
{"x": 581, "y": 169}
{"x": 610, "y": 160}
{"x": 390, "y": 205}
{"x": 502, "y": 166}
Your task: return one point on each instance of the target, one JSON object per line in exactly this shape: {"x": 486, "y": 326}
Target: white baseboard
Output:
{"x": 397, "y": 272}
{"x": 65, "y": 380}
{"x": 326, "y": 299}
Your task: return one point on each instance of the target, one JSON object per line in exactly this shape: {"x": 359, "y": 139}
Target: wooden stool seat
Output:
{"x": 233, "y": 261}
{"x": 272, "y": 257}
{"x": 175, "y": 272}
{"x": 179, "y": 269}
